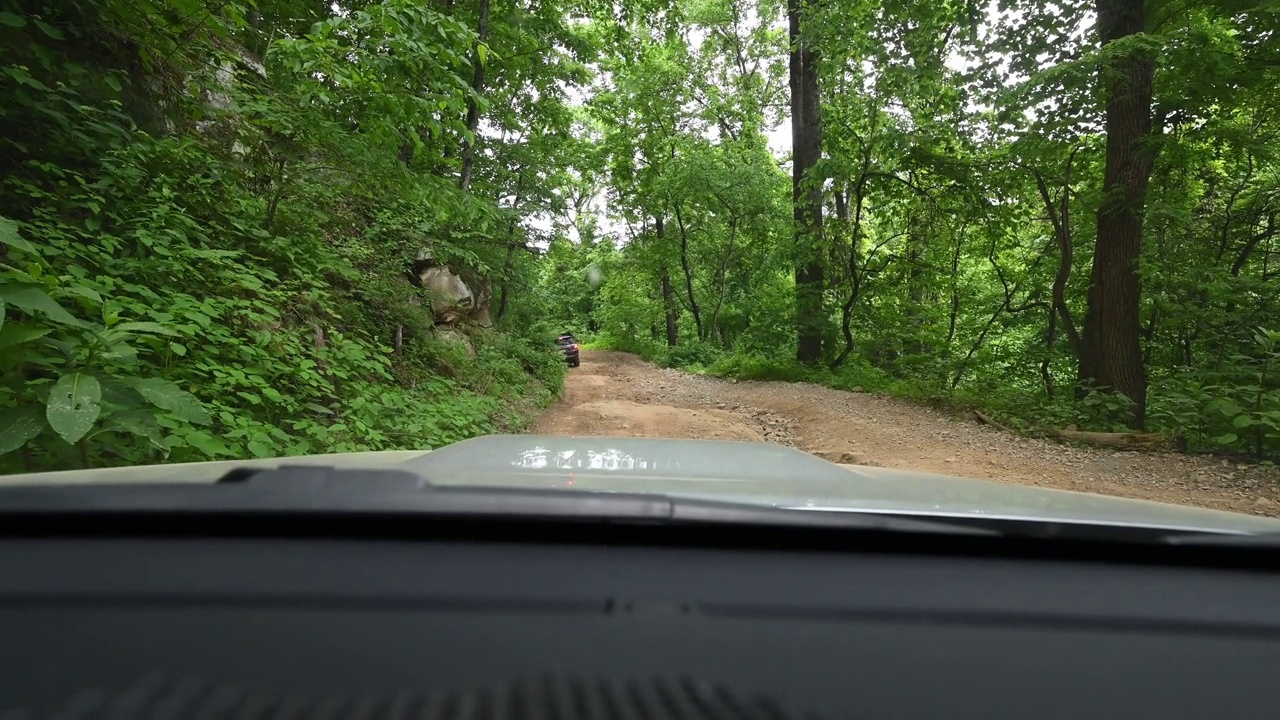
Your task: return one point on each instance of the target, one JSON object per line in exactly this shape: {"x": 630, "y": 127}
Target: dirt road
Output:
{"x": 620, "y": 394}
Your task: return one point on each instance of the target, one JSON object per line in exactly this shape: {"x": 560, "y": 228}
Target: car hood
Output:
{"x": 760, "y": 473}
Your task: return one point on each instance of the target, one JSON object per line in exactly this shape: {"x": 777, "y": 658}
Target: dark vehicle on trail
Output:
{"x": 569, "y": 346}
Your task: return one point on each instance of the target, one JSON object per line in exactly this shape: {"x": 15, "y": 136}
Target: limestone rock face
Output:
{"x": 457, "y": 297}
{"x": 455, "y": 336}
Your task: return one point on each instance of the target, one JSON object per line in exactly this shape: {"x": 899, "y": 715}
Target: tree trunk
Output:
{"x": 954, "y": 313}
{"x": 721, "y": 274}
{"x": 854, "y": 230}
{"x": 1111, "y": 354}
{"x": 508, "y": 263}
{"x": 668, "y": 293}
{"x": 670, "y": 310}
{"x": 688, "y": 272}
{"x": 473, "y": 107}
{"x": 806, "y": 148}
{"x": 1059, "y": 215}
{"x": 916, "y": 240}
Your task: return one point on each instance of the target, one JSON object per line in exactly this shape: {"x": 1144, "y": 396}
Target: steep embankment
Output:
{"x": 620, "y": 394}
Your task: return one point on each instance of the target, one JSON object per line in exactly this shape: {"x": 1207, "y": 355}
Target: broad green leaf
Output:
{"x": 1226, "y": 439}
{"x": 116, "y": 391}
{"x": 9, "y": 230}
{"x": 1, "y": 315}
{"x": 74, "y": 405}
{"x": 1242, "y": 421}
{"x": 136, "y": 422}
{"x": 33, "y": 299}
{"x": 1229, "y": 408}
{"x": 178, "y": 349}
{"x": 121, "y": 351}
{"x": 147, "y": 327}
{"x": 8, "y": 18}
{"x": 18, "y": 425}
{"x": 209, "y": 445}
{"x": 168, "y": 396}
{"x": 17, "y": 334}
{"x": 260, "y": 449}
{"x": 84, "y": 292}
{"x": 48, "y": 29}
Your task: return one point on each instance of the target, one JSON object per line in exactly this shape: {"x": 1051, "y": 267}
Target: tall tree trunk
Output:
{"x": 669, "y": 309}
{"x": 1059, "y": 215}
{"x": 1111, "y": 354}
{"x": 806, "y": 148}
{"x": 841, "y": 197}
{"x": 668, "y": 293}
{"x": 917, "y": 227}
{"x": 954, "y": 313}
{"x": 473, "y": 106}
{"x": 854, "y": 230}
{"x": 688, "y": 272}
{"x": 721, "y": 274}
{"x": 508, "y": 262}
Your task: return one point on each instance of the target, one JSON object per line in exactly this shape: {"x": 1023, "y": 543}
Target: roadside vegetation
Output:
{"x": 211, "y": 215}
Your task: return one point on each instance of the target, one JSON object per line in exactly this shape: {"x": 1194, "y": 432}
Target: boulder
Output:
{"x": 454, "y": 336}
{"x": 456, "y": 296}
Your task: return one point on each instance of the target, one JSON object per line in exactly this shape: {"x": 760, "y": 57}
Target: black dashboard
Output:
{"x": 575, "y": 625}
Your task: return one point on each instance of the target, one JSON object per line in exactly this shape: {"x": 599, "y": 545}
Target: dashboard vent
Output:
{"x": 551, "y": 697}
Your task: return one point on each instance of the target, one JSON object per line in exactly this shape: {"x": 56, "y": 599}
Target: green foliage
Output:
{"x": 950, "y": 191}
{"x": 205, "y": 243}
{"x": 691, "y": 353}
{"x": 1237, "y": 410}
{"x": 79, "y": 379}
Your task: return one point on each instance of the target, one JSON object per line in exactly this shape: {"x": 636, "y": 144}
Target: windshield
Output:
{"x": 1026, "y": 242}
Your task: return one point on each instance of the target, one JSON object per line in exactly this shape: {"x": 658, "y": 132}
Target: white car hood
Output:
{"x": 712, "y": 469}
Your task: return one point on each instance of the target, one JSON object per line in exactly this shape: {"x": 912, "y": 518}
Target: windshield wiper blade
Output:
{"x": 295, "y": 490}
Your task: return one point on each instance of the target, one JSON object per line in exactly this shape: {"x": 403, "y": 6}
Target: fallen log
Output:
{"x": 1122, "y": 440}
{"x": 982, "y": 418}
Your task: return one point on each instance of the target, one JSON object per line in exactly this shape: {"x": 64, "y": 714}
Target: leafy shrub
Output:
{"x": 169, "y": 297}
{"x": 78, "y": 379}
{"x": 691, "y": 353}
{"x": 756, "y": 367}
{"x": 1236, "y": 410}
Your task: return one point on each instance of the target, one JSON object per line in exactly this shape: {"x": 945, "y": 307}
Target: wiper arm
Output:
{"x": 1261, "y": 541}
{"x": 301, "y": 490}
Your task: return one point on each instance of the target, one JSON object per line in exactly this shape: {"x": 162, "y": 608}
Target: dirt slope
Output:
{"x": 620, "y": 394}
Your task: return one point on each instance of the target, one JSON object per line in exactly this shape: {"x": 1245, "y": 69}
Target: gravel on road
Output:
{"x": 616, "y": 393}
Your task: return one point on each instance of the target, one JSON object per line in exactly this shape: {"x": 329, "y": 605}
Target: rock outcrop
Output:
{"x": 459, "y": 299}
